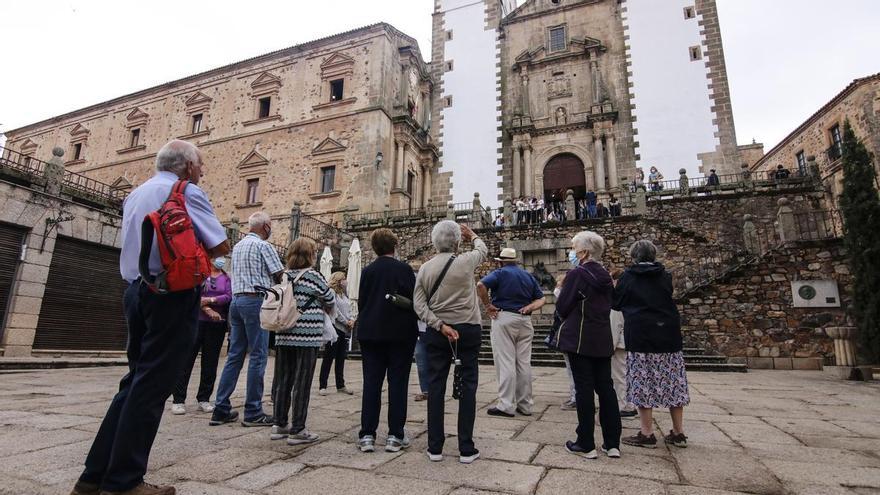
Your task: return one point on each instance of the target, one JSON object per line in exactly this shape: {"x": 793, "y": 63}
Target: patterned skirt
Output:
{"x": 656, "y": 380}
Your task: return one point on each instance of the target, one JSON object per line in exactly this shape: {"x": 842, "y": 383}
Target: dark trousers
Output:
{"x": 294, "y": 371}
{"x": 161, "y": 333}
{"x": 594, "y": 375}
{"x": 336, "y": 351}
{"x": 209, "y": 341}
{"x": 379, "y": 358}
{"x": 439, "y": 361}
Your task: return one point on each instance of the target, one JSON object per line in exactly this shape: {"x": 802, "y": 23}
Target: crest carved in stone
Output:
{"x": 558, "y": 87}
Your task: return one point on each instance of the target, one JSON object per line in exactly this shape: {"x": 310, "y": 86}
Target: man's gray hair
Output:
{"x": 258, "y": 219}
{"x": 643, "y": 251}
{"x": 174, "y": 155}
{"x": 590, "y": 242}
{"x": 446, "y": 236}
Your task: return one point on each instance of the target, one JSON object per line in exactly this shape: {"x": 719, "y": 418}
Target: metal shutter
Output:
{"x": 11, "y": 238}
{"x": 82, "y": 306}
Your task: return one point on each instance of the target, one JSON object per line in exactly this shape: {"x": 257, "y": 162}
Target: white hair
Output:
{"x": 643, "y": 251}
{"x": 445, "y": 236}
{"x": 174, "y": 156}
{"x": 258, "y": 219}
{"x": 590, "y": 242}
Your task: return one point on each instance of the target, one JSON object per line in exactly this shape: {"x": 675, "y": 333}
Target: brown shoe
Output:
{"x": 146, "y": 489}
{"x": 679, "y": 440}
{"x": 83, "y": 488}
{"x": 639, "y": 440}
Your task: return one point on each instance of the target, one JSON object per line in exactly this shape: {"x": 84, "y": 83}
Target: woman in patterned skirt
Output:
{"x": 655, "y": 373}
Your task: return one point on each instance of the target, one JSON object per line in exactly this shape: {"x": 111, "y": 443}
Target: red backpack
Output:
{"x": 185, "y": 263}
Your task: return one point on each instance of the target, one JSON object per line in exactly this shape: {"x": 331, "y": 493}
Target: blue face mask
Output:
{"x": 573, "y": 259}
{"x": 219, "y": 263}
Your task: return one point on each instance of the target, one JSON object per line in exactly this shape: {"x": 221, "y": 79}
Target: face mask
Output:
{"x": 556, "y": 292}
{"x": 219, "y": 263}
{"x": 573, "y": 259}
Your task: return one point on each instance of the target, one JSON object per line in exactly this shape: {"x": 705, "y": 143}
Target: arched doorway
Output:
{"x": 564, "y": 171}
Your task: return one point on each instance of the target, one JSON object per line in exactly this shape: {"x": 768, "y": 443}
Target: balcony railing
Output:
{"x": 79, "y": 185}
{"x": 21, "y": 166}
{"x": 834, "y": 152}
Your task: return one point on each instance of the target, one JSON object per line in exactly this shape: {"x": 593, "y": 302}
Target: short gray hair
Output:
{"x": 590, "y": 242}
{"x": 445, "y": 236}
{"x": 258, "y": 219}
{"x": 174, "y": 155}
{"x": 643, "y": 251}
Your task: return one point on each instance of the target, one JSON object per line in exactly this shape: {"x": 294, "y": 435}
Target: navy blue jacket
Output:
{"x": 584, "y": 304}
{"x": 651, "y": 322}
{"x": 378, "y": 319}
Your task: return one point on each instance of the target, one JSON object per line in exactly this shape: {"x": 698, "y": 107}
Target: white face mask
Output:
{"x": 556, "y": 292}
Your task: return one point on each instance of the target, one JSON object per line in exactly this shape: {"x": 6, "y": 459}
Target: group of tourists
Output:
{"x": 435, "y": 314}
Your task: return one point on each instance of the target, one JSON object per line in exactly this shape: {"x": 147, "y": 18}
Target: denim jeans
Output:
{"x": 422, "y": 363}
{"x": 246, "y": 336}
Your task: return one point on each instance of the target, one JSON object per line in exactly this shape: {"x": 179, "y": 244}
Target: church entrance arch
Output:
{"x": 564, "y": 171}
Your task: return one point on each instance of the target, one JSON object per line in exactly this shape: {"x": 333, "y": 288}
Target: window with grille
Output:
{"x": 801, "y": 163}
{"x": 557, "y": 39}
{"x": 197, "y": 123}
{"x": 328, "y": 178}
{"x": 253, "y": 186}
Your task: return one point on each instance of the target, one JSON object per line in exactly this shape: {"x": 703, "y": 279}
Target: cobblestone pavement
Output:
{"x": 760, "y": 432}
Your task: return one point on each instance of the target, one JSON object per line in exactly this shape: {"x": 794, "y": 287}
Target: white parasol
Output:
{"x": 326, "y": 263}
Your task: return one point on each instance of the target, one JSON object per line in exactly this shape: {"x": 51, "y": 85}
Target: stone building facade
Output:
{"x": 338, "y": 124}
{"x": 565, "y": 100}
{"x": 820, "y": 135}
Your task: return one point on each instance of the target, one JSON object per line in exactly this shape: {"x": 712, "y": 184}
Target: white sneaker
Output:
{"x": 302, "y": 437}
{"x": 178, "y": 409}
{"x": 322, "y": 391}
{"x": 206, "y": 407}
{"x": 612, "y": 452}
{"x": 367, "y": 443}
{"x": 394, "y": 444}
{"x": 434, "y": 457}
{"x": 279, "y": 433}
{"x": 467, "y": 459}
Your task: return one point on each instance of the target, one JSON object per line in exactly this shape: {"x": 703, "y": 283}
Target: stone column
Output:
{"x": 600, "y": 162}
{"x": 594, "y": 80}
{"x": 529, "y": 178}
{"x": 54, "y": 172}
{"x": 750, "y": 235}
{"x": 508, "y": 212}
{"x": 295, "y": 214}
{"x": 684, "y": 185}
{"x": 641, "y": 201}
{"x": 477, "y": 211}
{"x": 785, "y": 221}
{"x": 612, "y": 161}
{"x": 517, "y": 173}
{"x": 426, "y": 174}
{"x": 844, "y": 350}
{"x": 525, "y": 95}
{"x": 450, "y": 211}
{"x": 398, "y": 173}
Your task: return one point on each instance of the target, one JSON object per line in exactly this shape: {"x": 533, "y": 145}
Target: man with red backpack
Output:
{"x": 161, "y": 308}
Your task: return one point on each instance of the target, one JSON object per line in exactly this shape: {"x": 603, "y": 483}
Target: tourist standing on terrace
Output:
{"x": 584, "y": 304}
{"x": 446, "y": 299}
{"x": 343, "y": 324}
{"x": 162, "y": 330}
{"x": 652, "y": 327}
{"x": 387, "y": 334}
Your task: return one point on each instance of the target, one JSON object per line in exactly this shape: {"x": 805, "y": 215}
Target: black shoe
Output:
{"x": 219, "y": 418}
{"x": 523, "y": 413}
{"x": 264, "y": 420}
{"x": 494, "y": 411}
{"x": 628, "y": 414}
{"x": 574, "y": 448}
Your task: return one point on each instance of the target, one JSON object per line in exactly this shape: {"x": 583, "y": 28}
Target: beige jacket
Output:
{"x": 456, "y": 300}
{"x": 617, "y": 330}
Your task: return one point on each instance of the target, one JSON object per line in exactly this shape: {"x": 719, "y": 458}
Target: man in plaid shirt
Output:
{"x": 254, "y": 264}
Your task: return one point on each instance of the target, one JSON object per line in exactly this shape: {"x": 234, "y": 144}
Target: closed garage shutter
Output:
{"x": 82, "y": 306}
{"x": 11, "y": 238}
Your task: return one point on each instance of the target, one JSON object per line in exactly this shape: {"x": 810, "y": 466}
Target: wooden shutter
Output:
{"x": 82, "y": 305}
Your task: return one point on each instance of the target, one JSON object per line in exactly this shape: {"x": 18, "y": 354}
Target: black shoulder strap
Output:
{"x": 146, "y": 249}
{"x": 441, "y": 277}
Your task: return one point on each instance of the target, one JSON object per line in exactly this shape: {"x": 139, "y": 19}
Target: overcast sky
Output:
{"x": 785, "y": 58}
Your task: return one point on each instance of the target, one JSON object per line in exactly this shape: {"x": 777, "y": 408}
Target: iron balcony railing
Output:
{"x": 22, "y": 165}
{"x": 78, "y": 184}
{"x": 818, "y": 224}
{"x": 834, "y": 153}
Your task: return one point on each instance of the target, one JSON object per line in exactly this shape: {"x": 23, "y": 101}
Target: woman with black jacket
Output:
{"x": 584, "y": 305}
{"x": 652, "y": 330}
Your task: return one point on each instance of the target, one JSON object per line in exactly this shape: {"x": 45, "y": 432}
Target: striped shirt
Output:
{"x": 253, "y": 263}
{"x": 312, "y": 296}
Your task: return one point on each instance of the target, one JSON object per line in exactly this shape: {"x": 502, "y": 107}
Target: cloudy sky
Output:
{"x": 785, "y": 58}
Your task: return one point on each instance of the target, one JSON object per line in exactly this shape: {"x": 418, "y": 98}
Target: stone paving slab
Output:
{"x": 785, "y": 432}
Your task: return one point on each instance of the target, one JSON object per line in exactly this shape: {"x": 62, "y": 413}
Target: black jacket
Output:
{"x": 651, "y": 322}
{"x": 584, "y": 304}
{"x": 378, "y": 319}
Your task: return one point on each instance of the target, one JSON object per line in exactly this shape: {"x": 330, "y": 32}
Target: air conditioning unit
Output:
{"x": 815, "y": 294}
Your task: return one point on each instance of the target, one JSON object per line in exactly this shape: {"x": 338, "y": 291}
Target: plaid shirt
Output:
{"x": 253, "y": 263}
